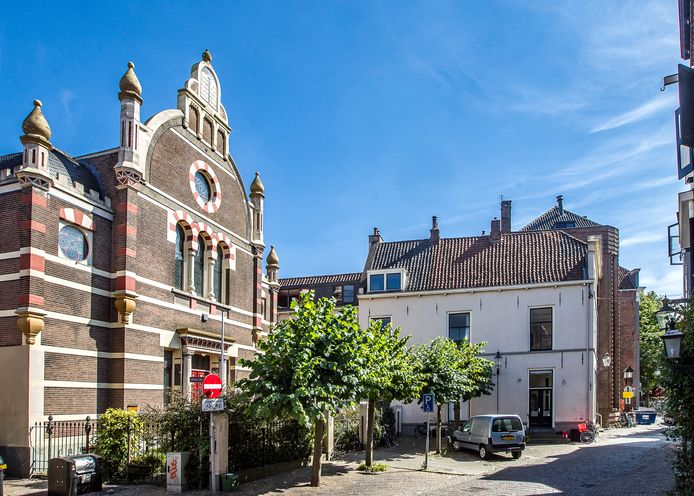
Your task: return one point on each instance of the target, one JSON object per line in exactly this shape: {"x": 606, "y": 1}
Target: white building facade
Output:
{"x": 529, "y": 296}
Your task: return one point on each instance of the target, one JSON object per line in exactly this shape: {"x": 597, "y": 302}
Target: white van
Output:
{"x": 489, "y": 434}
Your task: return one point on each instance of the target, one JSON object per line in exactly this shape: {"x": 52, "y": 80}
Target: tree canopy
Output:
{"x": 652, "y": 361}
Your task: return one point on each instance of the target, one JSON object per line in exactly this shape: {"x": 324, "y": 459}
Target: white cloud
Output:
{"x": 641, "y": 238}
{"x": 656, "y": 105}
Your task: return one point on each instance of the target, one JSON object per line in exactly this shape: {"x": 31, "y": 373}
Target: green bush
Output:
{"x": 118, "y": 431}
{"x": 147, "y": 466}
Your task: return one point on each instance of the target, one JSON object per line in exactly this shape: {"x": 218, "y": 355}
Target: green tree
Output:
{"x": 679, "y": 381}
{"x": 454, "y": 373}
{"x": 652, "y": 361}
{"x": 391, "y": 373}
{"x": 310, "y": 365}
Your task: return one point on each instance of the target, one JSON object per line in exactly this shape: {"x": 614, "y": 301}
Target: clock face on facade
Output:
{"x": 208, "y": 87}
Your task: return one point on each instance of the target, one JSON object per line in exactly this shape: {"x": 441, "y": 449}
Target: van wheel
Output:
{"x": 456, "y": 445}
{"x": 516, "y": 454}
{"x": 484, "y": 452}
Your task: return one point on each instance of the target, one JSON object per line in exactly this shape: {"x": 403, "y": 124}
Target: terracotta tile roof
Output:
{"x": 310, "y": 281}
{"x": 554, "y": 219}
{"x": 519, "y": 258}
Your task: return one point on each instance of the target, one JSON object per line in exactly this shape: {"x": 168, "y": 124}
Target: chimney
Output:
{"x": 434, "y": 232}
{"x": 495, "y": 233}
{"x": 560, "y": 204}
{"x": 375, "y": 238}
{"x": 505, "y": 216}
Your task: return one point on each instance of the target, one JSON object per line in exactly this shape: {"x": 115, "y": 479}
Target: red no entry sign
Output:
{"x": 212, "y": 386}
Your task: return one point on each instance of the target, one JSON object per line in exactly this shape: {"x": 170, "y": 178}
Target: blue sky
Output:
{"x": 363, "y": 114}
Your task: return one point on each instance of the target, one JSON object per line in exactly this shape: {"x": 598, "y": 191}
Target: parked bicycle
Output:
{"x": 589, "y": 432}
{"x": 421, "y": 430}
{"x": 627, "y": 419}
{"x": 387, "y": 439}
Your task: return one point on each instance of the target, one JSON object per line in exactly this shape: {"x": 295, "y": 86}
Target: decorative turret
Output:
{"x": 128, "y": 170}
{"x": 258, "y": 199}
{"x": 273, "y": 266}
{"x": 200, "y": 100}
{"x": 37, "y": 146}
{"x": 129, "y": 85}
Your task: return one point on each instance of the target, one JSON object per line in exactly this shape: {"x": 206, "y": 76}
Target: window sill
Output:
{"x": 195, "y": 302}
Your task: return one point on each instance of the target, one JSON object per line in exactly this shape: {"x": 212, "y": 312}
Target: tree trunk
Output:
{"x": 438, "y": 428}
{"x": 456, "y": 415}
{"x": 317, "y": 451}
{"x": 371, "y": 418}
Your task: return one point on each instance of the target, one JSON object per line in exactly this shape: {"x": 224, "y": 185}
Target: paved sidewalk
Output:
{"x": 624, "y": 461}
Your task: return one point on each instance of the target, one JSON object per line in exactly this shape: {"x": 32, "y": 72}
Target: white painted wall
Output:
{"x": 501, "y": 318}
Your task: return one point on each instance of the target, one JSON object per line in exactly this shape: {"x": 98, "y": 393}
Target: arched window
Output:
{"x": 219, "y": 275}
{"x": 199, "y": 267}
{"x": 179, "y": 256}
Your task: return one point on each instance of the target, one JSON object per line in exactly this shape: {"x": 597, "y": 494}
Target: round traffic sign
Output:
{"x": 212, "y": 386}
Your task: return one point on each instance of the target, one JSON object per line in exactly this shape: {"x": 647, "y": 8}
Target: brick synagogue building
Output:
{"x": 116, "y": 267}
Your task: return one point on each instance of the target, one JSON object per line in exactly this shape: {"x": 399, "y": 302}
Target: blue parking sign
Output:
{"x": 428, "y": 402}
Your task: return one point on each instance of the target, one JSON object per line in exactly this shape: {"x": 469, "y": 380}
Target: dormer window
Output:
{"x": 386, "y": 281}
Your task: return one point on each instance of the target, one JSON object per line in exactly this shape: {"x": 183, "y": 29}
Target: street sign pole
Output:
{"x": 426, "y": 449}
{"x": 213, "y": 478}
{"x": 222, "y": 361}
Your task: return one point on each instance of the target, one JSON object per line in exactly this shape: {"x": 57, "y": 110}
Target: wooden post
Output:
{"x": 317, "y": 445}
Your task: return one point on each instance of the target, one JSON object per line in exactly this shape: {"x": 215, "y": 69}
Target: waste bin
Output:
{"x": 229, "y": 482}
{"x": 69, "y": 475}
{"x": 645, "y": 417}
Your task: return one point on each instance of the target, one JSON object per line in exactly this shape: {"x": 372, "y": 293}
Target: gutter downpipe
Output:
{"x": 593, "y": 247}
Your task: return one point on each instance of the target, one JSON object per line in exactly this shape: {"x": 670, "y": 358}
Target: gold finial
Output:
{"x": 273, "y": 261}
{"x": 129, "y": 85}
{"x": 257, "y": 187}
{"x": 207, "y": 56}
{"x": 35, "y": 126}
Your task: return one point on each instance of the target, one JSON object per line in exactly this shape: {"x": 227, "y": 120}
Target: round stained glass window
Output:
{"x": 72, "y": 243}
{"x": 202, "y": 186}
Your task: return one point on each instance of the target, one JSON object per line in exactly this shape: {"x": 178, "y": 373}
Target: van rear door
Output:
{"x": 507, "y": 431}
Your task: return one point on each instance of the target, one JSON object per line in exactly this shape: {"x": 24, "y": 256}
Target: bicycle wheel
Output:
{"x": 587, "y": 437}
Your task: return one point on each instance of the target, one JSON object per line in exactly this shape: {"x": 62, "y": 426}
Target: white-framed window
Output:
{"x": 458, "y": 326}
{"x": 541, "y": 328}
{"x": 386, "y": 280}
{"x": 75, "y": 243}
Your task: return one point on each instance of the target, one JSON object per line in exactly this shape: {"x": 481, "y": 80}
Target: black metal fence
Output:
{"x": 59, "y": 438}
{"x": 255, "y": 445}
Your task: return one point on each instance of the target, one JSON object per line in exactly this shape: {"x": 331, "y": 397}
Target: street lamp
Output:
{"x": 665, "y": 314}
{"x": 497, "y": 359}
{"x": 672, "y": 339}
{"x": 628, "y": 374}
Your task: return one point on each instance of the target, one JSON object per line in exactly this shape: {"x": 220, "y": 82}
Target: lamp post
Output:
{"x": 672, "y": 339}
{"x": 497, "y": 359}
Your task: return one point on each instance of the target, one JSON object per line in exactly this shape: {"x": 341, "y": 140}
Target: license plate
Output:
{"x": 508, "y": 438}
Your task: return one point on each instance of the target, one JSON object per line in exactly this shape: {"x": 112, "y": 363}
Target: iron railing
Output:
{"x": 51, "y": 439}
{"x": 256, "y": 445}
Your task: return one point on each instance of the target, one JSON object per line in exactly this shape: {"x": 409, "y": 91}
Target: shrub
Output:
{"x": 118, "y": 432}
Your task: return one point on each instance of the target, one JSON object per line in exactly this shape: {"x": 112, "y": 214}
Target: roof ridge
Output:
{"x": 324, "y": 275}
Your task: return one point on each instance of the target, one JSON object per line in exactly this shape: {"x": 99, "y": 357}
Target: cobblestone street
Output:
{"x": 634, "y": 462}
